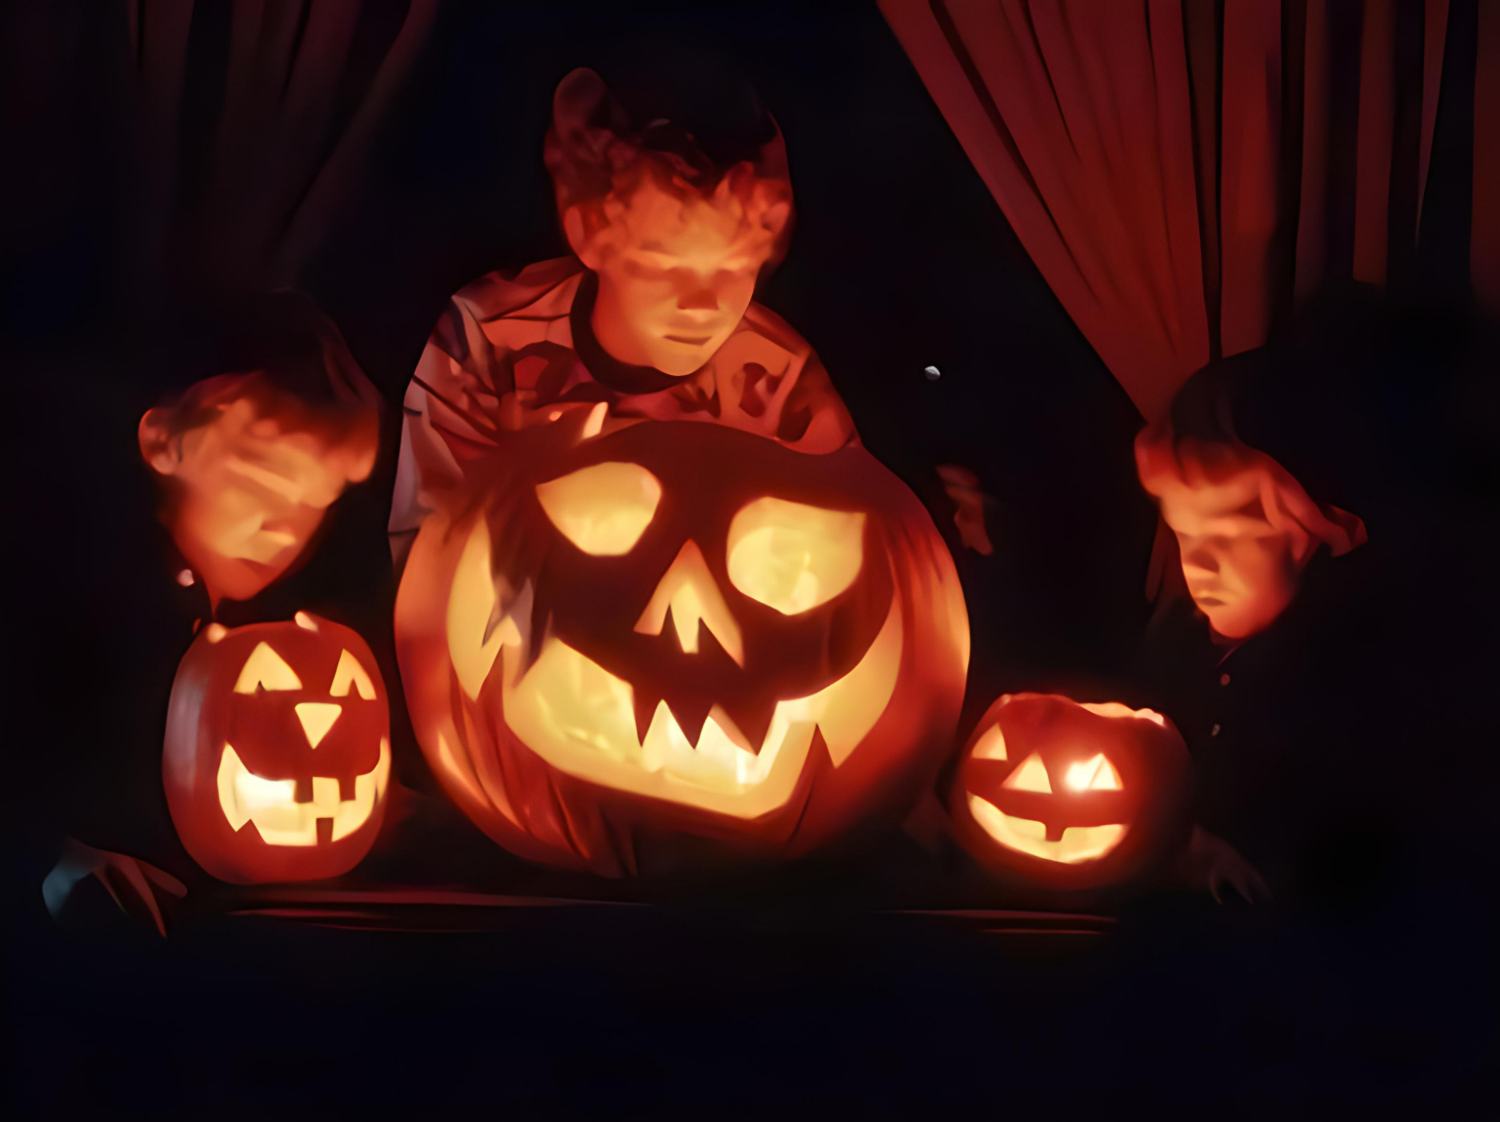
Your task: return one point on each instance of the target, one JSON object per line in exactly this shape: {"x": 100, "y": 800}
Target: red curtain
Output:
{"x": 1181, "y": 171}
{"x": 217, "y": 140}
{"x": 1485, "y": 243}
{"x": 294, "y": 97}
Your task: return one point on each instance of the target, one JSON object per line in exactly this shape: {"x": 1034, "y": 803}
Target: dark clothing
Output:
{"x": 1331, "y": 749}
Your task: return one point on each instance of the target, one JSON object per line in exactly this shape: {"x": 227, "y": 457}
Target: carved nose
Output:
{"x": 688, "y": 593}
{"x": 317, "y": 718}
{"x": 701, "y": 300}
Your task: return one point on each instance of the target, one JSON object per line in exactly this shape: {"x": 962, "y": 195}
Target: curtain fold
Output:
{"x": 1183, "y": 171}
{"x": 247, "y": 124}
{"x": 1485, "y": 241}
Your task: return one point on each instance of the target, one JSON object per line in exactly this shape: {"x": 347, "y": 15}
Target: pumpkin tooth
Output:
{"x": 689, "y": 713}
{"x": 753, "y": 721}
{"x": 645, "y": 704}
{"x": 717, "y": 751}
{"x": 732, "y": 731}
{"x": 663, "y": 742}
{"x": 818, "y": 750}
{"x": 711, "y": 647}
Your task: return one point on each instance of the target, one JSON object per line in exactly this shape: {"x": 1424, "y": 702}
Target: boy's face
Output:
{"x": 251, "y": 495}
{"x": 675, "y": 277}
{"x": 1241, "y": 571}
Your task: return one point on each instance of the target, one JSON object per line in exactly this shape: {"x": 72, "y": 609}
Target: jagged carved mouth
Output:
{"x": 580, "y": 718}
{"x": 281, "y": 819}
{"x": 1073, "y": 845}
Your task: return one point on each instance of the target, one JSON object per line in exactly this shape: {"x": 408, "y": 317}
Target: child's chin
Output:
{"x": 1233, "y": 625}
{"x": 243, "y": 579}
{"x": 680, "y": 365}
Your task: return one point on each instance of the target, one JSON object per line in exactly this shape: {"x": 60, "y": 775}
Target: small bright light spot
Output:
{"x": 1081, "y": 775}
{"x": 185, "y": 578}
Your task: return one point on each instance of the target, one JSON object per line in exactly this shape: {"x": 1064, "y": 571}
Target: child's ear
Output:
{"x": 776, "y": 217}
{"x": 585, "y": 246}
{"x": 362, "y": 462}
{"x": 159, "y": 447}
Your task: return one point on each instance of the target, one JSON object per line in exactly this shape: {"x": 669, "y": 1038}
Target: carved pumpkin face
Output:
{"x": 277, "y": 754}
{"x": 1070, "y": 794}
{"x": 680, "y": 630}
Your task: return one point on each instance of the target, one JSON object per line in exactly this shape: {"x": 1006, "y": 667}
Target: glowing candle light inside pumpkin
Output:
{"x": 1066, "y": 793}
{"x": 683, "y": 624}
{"x": 277, "y": 755}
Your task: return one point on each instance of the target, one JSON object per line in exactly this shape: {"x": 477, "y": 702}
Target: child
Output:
{"x": 1306, "y": 663}
{"x": 653, "y": 314}
{"x": 250, "y": 460}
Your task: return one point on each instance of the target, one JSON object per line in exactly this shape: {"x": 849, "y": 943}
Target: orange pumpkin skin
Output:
{"x": 1067, "y": 794}
{"x": 277, "y": 755}
{"x": 499, "y": 610}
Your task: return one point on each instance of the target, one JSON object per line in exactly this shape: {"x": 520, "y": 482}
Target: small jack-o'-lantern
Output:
{"x": 680, "y": 631}
{"x": 277, "y": 753}
{"x": 1069, "y": 794}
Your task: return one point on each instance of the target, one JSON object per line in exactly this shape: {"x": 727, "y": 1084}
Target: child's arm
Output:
{"x": 451, "y": 416}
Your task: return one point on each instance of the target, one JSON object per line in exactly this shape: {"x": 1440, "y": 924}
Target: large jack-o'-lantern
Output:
{"x": 1070, "y": 794}
{"x": 277, "y": 754}
{"x": 679, "y": 631}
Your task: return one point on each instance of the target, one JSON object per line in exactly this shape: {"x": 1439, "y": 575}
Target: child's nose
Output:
{"x": 698, "y": 299}
{"x": 1200, "y": 559}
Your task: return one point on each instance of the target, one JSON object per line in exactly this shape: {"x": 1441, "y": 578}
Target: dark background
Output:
{"x": 790, "y": 996}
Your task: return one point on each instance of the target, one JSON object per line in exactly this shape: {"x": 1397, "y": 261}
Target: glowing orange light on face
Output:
{"x": 277, "y": 754}
{"x": 675, "y": 238}
{"x": 679, "y": 631}
{"x": 676, "y": 269}
{"x": 1069, "y": 794}
{"x": 251, "y": 477}
{"x": 1245, "y": 528}
{"x": 1241, "y": 571}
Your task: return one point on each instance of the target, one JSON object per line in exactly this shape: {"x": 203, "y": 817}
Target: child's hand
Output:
{"x": 969, "y": 501}
{"x": 1212, "y": 863}
{"x": 133, "y": 885}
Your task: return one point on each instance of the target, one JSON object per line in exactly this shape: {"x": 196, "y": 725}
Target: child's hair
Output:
{"x": 1168, "y": 461}
{"x": 286, "y": 359}
{"x": 602, "y": 147}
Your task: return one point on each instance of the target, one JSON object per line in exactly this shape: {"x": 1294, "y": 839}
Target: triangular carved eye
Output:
{"x": 350, "y": 672}
{"x": 1030, "y": 776}
{"x": 1096, "y": 774}
{"x": 266, "y": 670}
{"x": 991, "y": 745}
{"x": 1106, "y": 778}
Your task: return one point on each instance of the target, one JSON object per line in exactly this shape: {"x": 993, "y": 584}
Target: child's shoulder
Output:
{"x": 765, "y": 338}
{"x": 540, "y": 291}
